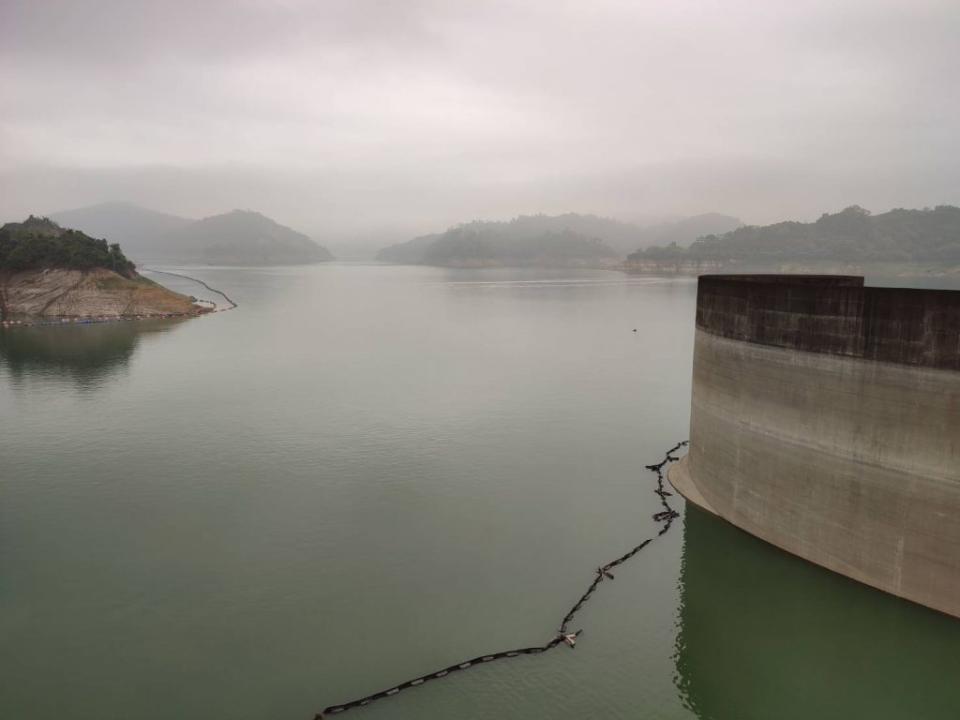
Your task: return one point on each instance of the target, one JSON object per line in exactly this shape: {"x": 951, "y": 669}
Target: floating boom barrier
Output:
{"x": 563, "y": 636}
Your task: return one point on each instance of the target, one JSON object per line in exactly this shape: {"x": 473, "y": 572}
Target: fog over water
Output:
{"x": 358, "y": 120}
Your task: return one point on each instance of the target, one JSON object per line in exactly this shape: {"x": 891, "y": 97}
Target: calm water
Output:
{"x": 366, "y": 473}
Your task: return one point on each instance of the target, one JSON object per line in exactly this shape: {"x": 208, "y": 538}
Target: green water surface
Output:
{"x": 366, "y": 473}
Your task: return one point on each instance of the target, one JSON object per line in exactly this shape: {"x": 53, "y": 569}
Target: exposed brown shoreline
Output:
{"x": 57, "y": 295}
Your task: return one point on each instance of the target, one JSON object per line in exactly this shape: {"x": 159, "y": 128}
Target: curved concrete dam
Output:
{"x": 826, "y": 420}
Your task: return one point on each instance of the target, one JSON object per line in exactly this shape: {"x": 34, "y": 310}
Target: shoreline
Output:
{"x": 202, "y": 307}
{"x": 97, "y": 320}
{"x": 200, "y": 282}
{"x": 688, "y": 268}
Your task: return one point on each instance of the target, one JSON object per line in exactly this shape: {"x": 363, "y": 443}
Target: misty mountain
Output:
{"x": 686, "y": 230}
{"x": 537, "y": 240}
{"x": 411, "y": 252}
{"x": 235, "y": 238}
{"x": 546, "y": 239}
{"x": 243, "y": 237}
{"x": 852, "y": 235}
{"x": 139, "y": 229}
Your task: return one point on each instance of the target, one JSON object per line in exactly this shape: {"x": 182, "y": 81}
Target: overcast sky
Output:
{"x": 357, "y": 118}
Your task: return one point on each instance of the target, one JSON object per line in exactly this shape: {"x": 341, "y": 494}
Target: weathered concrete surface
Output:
{"x": 835, "y": 315}
{"x": 679, "y": 476}
{"x": 848, "y": 462}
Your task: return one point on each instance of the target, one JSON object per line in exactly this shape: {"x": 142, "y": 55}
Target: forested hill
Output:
{"x": 525, "y": 241}
{"x": 40, "y": 243}
{"x": 565, "y": 239}
{"x": 686, "y": 230}
{"x": 852, "y": 235}
{"x": 244, "y": 237}
{"x": 240, "y": 237}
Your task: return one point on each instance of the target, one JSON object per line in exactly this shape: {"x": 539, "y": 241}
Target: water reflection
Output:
{"x": 766, "y": 635}
{"x": 85, "y": 354}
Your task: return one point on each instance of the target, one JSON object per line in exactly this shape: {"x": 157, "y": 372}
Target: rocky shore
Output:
{"x": 63, "y": 295}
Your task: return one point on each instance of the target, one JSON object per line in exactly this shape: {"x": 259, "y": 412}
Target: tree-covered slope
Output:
{"x": 233, "y": 238}
{"x": 40, "y": 243}
{"x": 47, "y": 271}
{"x": 852, "y": 235}
{"x": 565, "y": 239}
{"x": 243, "y": 237}
{"x": 490, "y": 244}
{"x": 537, "y": 240}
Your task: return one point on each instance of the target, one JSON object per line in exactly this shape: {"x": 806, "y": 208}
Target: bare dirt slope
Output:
{"x": 54, "y": 293}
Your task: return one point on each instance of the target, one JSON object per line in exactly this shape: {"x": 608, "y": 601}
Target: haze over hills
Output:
{"x": 685, "y": 230}
{"x": 140, "y": 229}
{"x": 536, "y": 240}
{"x": 244, "y": 237}
{"x": 39, "y": 243}
{"x": 240, "y": 237}
{"x": 854, "y": 235}
{"x": 568, "y": 239}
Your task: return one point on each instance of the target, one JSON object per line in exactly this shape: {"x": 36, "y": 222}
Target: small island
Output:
{"x": 50, "y": 273}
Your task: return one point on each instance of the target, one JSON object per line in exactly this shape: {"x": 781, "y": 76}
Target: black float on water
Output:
{"x": 665, "y": 516}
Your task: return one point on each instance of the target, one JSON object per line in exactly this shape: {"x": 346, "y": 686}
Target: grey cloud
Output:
{"x": 361, "y": 117}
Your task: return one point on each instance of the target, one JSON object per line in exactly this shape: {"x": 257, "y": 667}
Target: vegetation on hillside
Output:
{"x": 239, "y": 237}
{"x": 686, "y": 230}
{"x": 570, "y": 238}
{"x": 40, "y": 243}
{"x": 852, "y": 235}
{"x": 526, "y": 240}
{"x": 244, "y": 237}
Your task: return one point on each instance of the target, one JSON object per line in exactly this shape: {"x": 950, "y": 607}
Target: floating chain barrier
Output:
{"x": 563, "y": 636}
{"x": 201, "y": 282}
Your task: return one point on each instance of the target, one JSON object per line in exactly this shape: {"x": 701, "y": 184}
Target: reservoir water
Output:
{"x": 366, "y": 473}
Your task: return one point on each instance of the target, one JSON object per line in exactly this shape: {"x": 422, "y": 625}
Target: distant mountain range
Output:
{"x": 686, "y": 230}
{"x": 850, "y": 236}
{"x": 240, "y": 237}
{"x": 138, "y": 229}
{"x": 547, "y": 240}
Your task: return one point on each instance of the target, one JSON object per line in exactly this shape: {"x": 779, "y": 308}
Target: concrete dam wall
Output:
{"x": 825, "y": 420}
